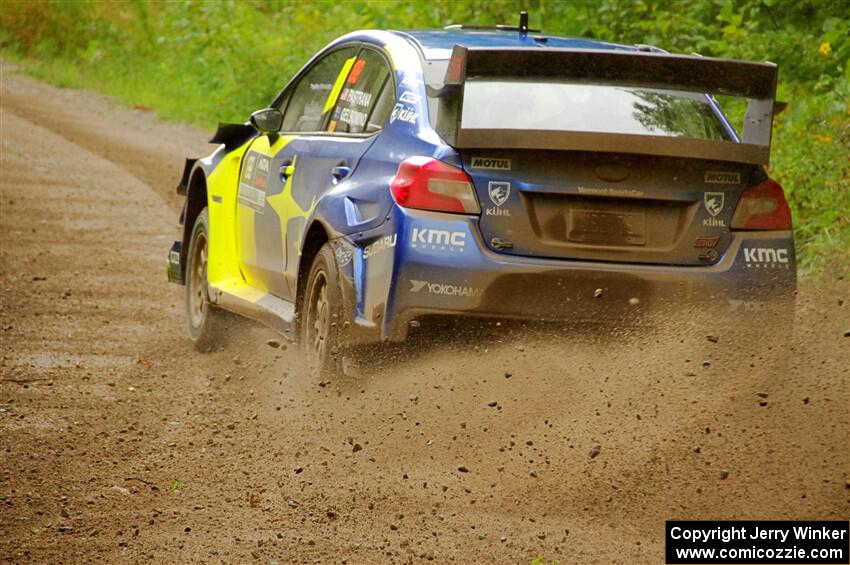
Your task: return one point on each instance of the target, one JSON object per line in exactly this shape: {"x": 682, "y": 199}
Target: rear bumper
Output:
{"x": 399, "y": 272}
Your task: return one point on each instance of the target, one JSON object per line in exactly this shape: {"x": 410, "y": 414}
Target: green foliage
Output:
{"x": 201, "y": 61}
{"x": 811, "y": 159}
{"x": 541, "y": 560}
{"x": 176, "y": 485}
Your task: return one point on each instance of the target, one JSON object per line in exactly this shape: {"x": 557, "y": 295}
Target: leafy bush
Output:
{"x": 201, "y": 62}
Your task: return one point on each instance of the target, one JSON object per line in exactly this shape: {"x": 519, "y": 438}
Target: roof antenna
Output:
{"x": 523, "y": 22}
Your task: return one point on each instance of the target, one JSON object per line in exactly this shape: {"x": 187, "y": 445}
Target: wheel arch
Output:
{"x": 316, "y": 237}
{"x": 196, "y": 201}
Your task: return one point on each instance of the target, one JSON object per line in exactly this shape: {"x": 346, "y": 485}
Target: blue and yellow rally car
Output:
{"x": 484, "y": 172}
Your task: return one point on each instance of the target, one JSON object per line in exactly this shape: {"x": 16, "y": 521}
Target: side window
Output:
{"x": 313, "y": 96}
{"x": 364, "y": 92}
{"x": 382, "y": 109}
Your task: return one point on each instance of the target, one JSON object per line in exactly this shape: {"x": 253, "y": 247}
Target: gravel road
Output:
{"x": 120, "y": 443}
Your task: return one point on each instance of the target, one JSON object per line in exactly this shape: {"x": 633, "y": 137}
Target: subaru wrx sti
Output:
{"x": 487, "y": 173}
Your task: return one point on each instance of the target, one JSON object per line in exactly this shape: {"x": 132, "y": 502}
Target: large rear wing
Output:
{"x": 754, "y": 81}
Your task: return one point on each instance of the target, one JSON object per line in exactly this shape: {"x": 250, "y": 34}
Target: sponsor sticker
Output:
{"x": 252, "y": 198}
{"x": 444, "y": 289}
{"x": 706, "y": 242}
{"x": 722, "y": 177}
{"x": 491, "y": 163}
{"x": 499, "y": 191}
{"x": 442, "y": 240}
{"x": 250, "y": 163}
{"x": 409, "y": 97}
{"x": 403, "y": 113}
{"x": 356, "y": 97}
{"x": 382, "y": 244}
{"x": 344, "y": 254}
{"x": 255, "y": 180}
{"x": 714, "y": 202}
{"x": 356, "y": 71}
{"x": 605, "y": 191}
{"x": 713, "y": 223}
{"x": 766, "y": 257}
{"x": 352, "y": 117}
{"x": 410, "y": 81}
{"x": 261, "y": 174}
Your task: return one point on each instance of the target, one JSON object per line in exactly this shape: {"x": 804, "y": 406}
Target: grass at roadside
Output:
{"x": 203, "y": 62}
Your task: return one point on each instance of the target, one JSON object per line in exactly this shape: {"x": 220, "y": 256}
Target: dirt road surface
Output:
{"x": 592, "y": 443}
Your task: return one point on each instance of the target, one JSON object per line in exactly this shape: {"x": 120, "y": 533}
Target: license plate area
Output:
{"x": 606, "y": 227}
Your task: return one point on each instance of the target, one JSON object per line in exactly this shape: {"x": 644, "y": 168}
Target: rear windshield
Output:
{"x": 599, "y": 108}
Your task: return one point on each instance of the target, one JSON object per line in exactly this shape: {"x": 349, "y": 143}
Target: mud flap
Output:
{"x": 174, "y": 267}
{"x": 344, "y": 255}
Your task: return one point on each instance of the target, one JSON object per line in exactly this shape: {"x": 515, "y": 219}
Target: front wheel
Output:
{"x": 320, "y": 327}
{"x": 204, "y": 321}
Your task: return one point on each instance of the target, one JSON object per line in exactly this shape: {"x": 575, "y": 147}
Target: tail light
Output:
{"x": 763, "y": 207}
{"x": 428, "y": 184}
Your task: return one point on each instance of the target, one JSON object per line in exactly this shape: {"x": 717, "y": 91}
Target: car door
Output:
{"x": 330, "y": 120}
{"x": 265, "y": 202}
{"x": 327, "y": 161}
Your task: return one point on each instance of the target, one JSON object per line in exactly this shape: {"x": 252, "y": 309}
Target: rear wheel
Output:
{"x": 204, "y": 321}
{"x": 322, "y": 308}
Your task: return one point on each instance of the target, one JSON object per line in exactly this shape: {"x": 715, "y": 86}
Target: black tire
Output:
{"x": 320, "y": 334}
{"x": 204, "y": 321}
